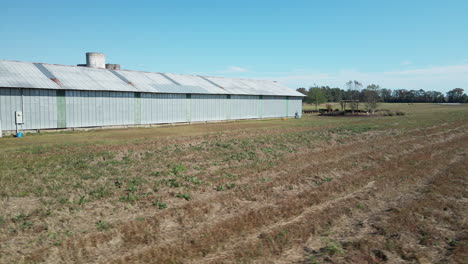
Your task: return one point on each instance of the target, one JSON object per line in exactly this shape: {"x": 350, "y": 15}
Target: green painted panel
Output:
{"x": 260, "y": 106}
{"x": 189, "y": 107}
{"x": 137, "y": 108}
{"x": 61, "y": 109}
{"x": 229, "y": 107}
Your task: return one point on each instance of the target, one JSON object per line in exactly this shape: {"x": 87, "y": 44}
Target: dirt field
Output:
{"x": 388, "y": 189}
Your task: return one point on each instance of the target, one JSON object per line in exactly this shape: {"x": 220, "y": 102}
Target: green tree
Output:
{"x": 337, "y": 94}
{"x": 455, "y": 95}
{"x": 303, "y": 91}
{"x": 386, "y": 95}
{"x": 353, "y": 93}
{"x": 316, "y": 96}
{"x": 371, "y": 97}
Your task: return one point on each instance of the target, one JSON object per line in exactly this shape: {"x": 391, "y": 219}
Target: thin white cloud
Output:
{"x": 406, "y": 62}
{"x": 439, "y": 78}
{"x": 304, "y": 78}
{"x": 441, "y": 70}
{"x": 234, "y": 69}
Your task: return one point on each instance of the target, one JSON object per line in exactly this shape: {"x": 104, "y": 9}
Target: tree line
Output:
{"x": 356, "y": 91}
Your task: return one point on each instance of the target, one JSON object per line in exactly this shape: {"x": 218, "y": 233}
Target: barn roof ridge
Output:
{"x": 71, "y": 77}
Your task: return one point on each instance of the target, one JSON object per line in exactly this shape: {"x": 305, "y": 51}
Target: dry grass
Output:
{"x": 386, "y": 189}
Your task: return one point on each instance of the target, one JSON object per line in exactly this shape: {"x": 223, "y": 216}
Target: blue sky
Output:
{"x": 397, "y": 44}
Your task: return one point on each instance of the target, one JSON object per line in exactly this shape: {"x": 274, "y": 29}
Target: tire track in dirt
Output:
{"x": 96, "y": 241}
{"x": 368, "y": 232}
{"x": 80, "y": 245}
{"x": 341, "y": 204}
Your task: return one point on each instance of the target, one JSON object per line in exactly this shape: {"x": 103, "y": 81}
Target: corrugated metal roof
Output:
{"x": 25, "y": 75}
{"x": 83, "y": 78}
{"x": 196, "y": 84}
{"x": 14, "y": 74}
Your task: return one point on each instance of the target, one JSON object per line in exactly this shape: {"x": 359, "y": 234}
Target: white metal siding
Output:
{"x": 208, "y": 107}
{"x": 10, "y": 101}
{"x": 38, "y": 106}
{"x": 91, "y": 108}
{"x": 274, "y": 106}
{"x": 295, "y": 105}
{"x": 244, "y": 106}
{"x": 39, "y": 109}
{"x": 104, "y": 108}
{"x": 163, "y": 108}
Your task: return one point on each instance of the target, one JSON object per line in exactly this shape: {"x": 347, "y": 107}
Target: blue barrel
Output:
{"x": 19, "y": 134}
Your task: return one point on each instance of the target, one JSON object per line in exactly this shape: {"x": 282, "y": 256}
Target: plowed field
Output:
{"x": 390, "y": 189}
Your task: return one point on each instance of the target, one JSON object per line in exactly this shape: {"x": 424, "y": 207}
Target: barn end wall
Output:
{"x": 52, "y": 109}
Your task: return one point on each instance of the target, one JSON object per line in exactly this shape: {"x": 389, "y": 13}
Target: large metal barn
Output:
{"x": 49, "y": 96}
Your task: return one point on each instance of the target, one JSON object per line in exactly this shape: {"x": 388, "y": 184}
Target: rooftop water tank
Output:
{"x": 95, "y": 60}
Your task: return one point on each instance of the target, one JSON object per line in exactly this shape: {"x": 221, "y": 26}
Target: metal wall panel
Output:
{"x": 91, "y": 108}
{"x": 163, "y": 108}
{"x": 274, "y": 106}
{"x": 39, "y": 109}
{"x": 104, "y": 108}
{"x": 38, "y": 106}
{"x": 295, "y": 105}
{"x": 208, "y": 107}
{"x": 10, "y": 101}
{"x": 244, "y": 106}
